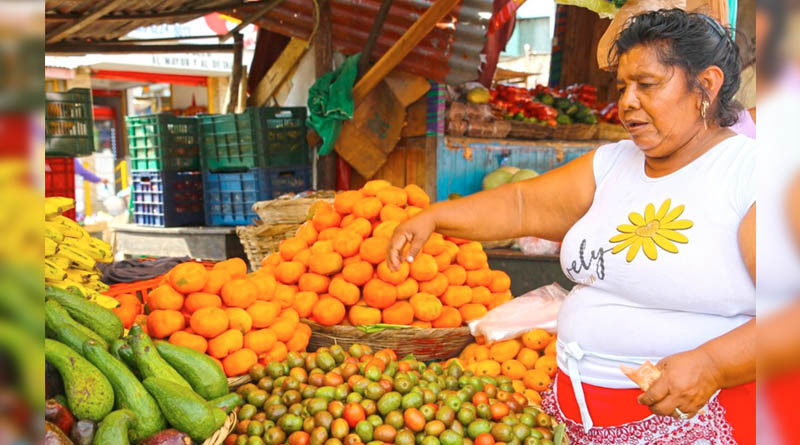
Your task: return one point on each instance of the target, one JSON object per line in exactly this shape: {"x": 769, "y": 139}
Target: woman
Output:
{"x": 659, "y": 234}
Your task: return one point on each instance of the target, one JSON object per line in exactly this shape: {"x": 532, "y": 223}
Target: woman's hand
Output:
{"x": 687, "y": 382}
{"x": 415, "y": 231}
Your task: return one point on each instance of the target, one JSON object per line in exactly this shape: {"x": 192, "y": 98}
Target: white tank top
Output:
{"x": 656, "y": 260}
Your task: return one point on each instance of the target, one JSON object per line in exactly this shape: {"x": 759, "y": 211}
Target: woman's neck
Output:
{"x": 697, "y": 145}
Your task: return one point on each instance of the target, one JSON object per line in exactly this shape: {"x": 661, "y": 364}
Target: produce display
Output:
{"x": 235, "y": 318}
{"x": 119, "y": 390}
{"x": 546, "y": 105}
{"x": 334, "y": 269}
{"x": 335, "y": 396}
{"x": 71, "y": 254}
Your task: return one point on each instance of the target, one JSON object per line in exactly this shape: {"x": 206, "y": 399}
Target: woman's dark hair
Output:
{"x": 693, "y": 42}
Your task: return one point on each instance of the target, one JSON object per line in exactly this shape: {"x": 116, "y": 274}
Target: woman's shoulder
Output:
{"x": 608, "y": 155}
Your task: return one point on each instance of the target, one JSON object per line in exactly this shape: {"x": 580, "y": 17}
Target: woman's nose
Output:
{"x": 628, "y": 100}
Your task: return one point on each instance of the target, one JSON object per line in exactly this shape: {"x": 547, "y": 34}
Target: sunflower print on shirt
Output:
{"x": 652, "y": 230}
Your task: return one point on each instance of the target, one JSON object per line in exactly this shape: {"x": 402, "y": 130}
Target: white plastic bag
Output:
{"x": 535, "y": 309}
{"x": 537, "y": 246}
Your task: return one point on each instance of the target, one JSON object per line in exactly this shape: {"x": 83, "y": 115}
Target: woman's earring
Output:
{"x": 703, "y": 111}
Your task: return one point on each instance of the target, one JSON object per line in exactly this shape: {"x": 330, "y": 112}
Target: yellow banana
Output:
{"x": 60, "y": 261}
{"x": 80, "y": 259}
{"x": 52, "y": 230}
{"x": 50, "y": 247}
{"x": 50, "y": 210}
{"x": 97, "y": 286}
{"x": 84, "y": 246}
{"x": 100, "y": 244}
{"x": 78, "y": 275}
{"x": 70, "y": 228}
{"x": 53, "y": 272}
{"x": 62, "y": 203}
{"x": 104, "y": 300}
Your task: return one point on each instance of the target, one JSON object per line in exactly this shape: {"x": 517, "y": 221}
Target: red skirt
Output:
{"x": 619, "y": 419}
{"x": 781, "y": 397}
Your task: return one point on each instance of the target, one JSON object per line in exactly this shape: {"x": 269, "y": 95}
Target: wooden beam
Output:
{"x": 58, "y": 17}
{"x": 426, "y": 22}
{"x": 278, "y": 72}
{"x": 71, "y": 28}
{"x": 236, "y": 76}
{"x": 80, "y": 48}
{"x": 271, "y": 4}
{"x": 377, "y": 25}
{"x": 156, "y": 40}
{"x": 323, "y": 58}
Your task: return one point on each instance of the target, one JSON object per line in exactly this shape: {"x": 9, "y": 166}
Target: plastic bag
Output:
{"x": 530, "y": 245}
{"x": 535, "y": 309}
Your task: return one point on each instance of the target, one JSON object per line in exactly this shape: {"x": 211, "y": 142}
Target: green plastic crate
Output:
{"x": 163, "y": 142}
{"x": 69, "y": 126}
{"x": 258, "y": 138}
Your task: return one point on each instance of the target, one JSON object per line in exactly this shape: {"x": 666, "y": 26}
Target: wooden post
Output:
{"x": 323, "y": 58}
{"x": 372, "y": 39}
{"x": 236, "y": 77}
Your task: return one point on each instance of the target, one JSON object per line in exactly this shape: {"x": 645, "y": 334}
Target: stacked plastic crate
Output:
{"x": 165, "y": 170}
{"x": 69, "y": 132}
{"x": 249, "y": 157}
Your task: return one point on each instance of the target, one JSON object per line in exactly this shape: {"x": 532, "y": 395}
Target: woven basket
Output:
{"x": 499, "y": 244}
{"x": 289, "y": 211}
{"x": 260, "y": 241}
{"x": 425, "y": 344}
{"x": 235, "y": 382}
{"x": 575, "y": 132}
{"x": 225, "y": 430}
{"x": 611, "y": 132}
{"x": 529, "y": 130}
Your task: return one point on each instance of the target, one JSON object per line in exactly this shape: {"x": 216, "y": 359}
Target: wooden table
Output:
{"x": 528, "y": 272}
{"x": 208, "y": 243}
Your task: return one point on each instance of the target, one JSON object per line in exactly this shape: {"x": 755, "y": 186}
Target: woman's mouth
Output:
{"x": 634, "y": 127}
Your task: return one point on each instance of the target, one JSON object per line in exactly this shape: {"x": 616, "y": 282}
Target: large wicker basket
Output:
{"x": 575, "y": 132}
{"x": 611, "y": 132}
{"x": 219, "y": 436}
{"x": 289, "y": 210}
{"x": 425, "y": 344}
{"x": 260, "y": 241}
{"x": 529, "y": 130}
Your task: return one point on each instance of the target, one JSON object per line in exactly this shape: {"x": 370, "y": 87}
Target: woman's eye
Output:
{"x": 645, "y": 85}
{"x": 621, "y": 89}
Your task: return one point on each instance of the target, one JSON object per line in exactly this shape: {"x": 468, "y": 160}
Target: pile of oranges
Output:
{"x": 334, "y": 269}
{"x": 529, "y": 361}
{"x": 224, "y": 313}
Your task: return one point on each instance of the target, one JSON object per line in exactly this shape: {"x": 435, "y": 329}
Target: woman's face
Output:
{"x": 655, "y": 103}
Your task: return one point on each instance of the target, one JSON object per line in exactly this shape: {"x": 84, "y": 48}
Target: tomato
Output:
{"x": 484, "y": 439}
{"x": 480, "y": 397}
{"x": 299, "y": 438}
{"x": 414, "y": 420}
{"x": 354, "y": 413}
{"x": 499, "y": 410}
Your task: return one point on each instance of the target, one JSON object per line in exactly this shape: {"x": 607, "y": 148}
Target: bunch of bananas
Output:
{"x": 71, "y": 254}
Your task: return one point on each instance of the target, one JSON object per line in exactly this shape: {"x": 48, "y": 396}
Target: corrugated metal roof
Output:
{"x": 451, "y": 53}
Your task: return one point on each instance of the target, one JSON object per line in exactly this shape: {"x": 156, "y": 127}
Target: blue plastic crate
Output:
{"x": 229, "y": 197}
{"x": 167, "y": 199}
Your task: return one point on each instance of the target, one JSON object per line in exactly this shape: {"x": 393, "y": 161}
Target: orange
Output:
{"x": 165, "y": 297}
{"x": 364, "y": 315}
{"x": 504, "y": 350}
{"x": 396, "y": 278}
{"x": 351, "y": 260}
{"x": 358, "y": 273}
{"x": 412, "y": 211}
{"x": 436, "y": 286}
{"x": 347, "y": 243}
{"x": 537, "y": 339}
{"x": 266, "y": 284}
{"x": 288, "y": 248}
{"x": 391, "y": 212}
{"x": 361, "y": 226}
{"x": 307, "y": 233}
{"x": 385, "y": 229}
{"x": 183, "y": 338}
{"x": 487, "y": 367}
{"x": 450, "y": 318}
{"x": 345, "y": 201}
{"x": 373, "y": 250}
{"x": 379, "y": 294}
{"x": 303, "y": 256}
{"x": 426, "y": 306}
{"x": 263, "y": 313}
{"x": 329, "y": 312}
{"x": 239, "y": 362}
{"x": 407, "y": 289}
{"x": 199, "y": 300}
{"x": 188, "y": 277}
{"x": 472, "y": 245}
{"x": 471, "y": 259}
{"x": 456, "y": 275}
{"x": 347, "y": 220}
{"x": 501, "y": 282}
{"x": 371, "y": 188}
{"x": 209, "y": 321}
{"x": 239, "y": 319}
{"x": 393, "y": 196}
{"x": 424, "y": 267}
{"x": 422, "y": 324}
{"x": 455, "y": 240}
{"x": 435, "y": 245}
{"x": 260, "y": 341}
{"x": 533, "y": 397}
{"x": 298, "y": 342}
{"x": 536, "y": 379}
{"x": 347, "y": 293}
{"x": 329, "y": 234}
{"x": 312, "y": 282}
{"x": 417, "y": 197}
{"x": 163, "y": 323}
{"x": 284, "y": 328}
{"x": 443, "y": 260}
{"x": 513, "y": 369}
{"x": 276, "y": 354}
{"x": 325, "y": 263}
{"x": 368, "y": 208}
{"x": 284, "y": 295}
{"x": 457, "y": 296}
{"x": 472, "y": 311}
{"x": 229, "y": 341}
{"x": 399, "y": 313}
{"x": 322, "y": 247}
{"x": 272, "y": 259}
{"x": 235, "y": 266}
{"x": 499, "y": 299}
{"x": 551, "y": 347}
{"x": 324, "y": 219}
{"x": 451, "y": 248}
{"x": 528, "y": 357}
{"x": 548, "y": 364}
{"x": 481, "y": 295}
{"x": 482, "y": 352}
{"x": 239, "y": 293}
{"x": 289, "y": 272}
{"x": 216, "y": 279}
{"x": 480, "y": 277}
